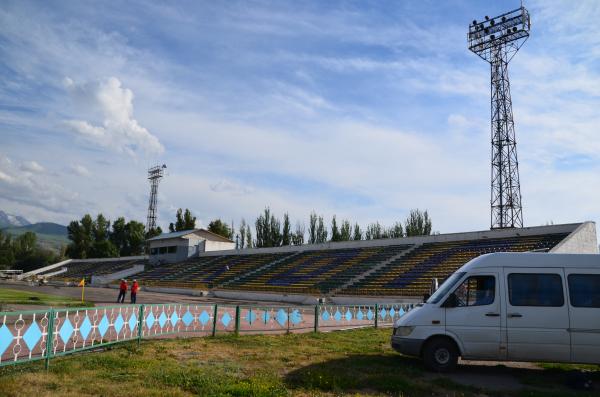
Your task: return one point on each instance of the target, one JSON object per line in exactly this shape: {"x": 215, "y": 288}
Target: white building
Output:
{"x": 178, "y": 246}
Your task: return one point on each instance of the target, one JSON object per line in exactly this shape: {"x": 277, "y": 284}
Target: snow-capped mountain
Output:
{"x": 9, "y": 220}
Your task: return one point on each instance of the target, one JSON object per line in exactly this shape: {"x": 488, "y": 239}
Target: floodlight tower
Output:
{"x": 496, "y": 40}
{"x": 155, "y": 174}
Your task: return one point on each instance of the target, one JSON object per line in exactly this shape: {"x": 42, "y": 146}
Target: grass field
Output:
{"x": 358, "y": 362}
{"x": 17, "y": 297}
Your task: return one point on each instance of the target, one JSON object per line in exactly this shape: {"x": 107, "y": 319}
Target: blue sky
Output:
{"x": 360, "y": 109}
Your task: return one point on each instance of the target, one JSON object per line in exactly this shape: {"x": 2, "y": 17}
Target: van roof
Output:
{"x": 532, "y": 259}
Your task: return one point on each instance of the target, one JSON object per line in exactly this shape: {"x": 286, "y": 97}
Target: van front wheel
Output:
{"x": 440, "y": 355}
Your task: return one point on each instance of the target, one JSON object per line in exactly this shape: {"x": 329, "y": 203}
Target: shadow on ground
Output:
{"x": 391, "y": 373}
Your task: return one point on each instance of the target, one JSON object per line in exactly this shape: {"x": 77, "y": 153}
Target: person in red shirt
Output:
{"x": 122, "y": 291}
{"x": 134, "y": 289}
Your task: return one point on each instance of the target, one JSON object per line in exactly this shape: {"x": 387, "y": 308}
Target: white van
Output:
{"x": 512, "y": 307}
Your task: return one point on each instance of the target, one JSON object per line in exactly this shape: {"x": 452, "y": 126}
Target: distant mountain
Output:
{"x": 49, "y": 235}
{"x": 9, "y": 220}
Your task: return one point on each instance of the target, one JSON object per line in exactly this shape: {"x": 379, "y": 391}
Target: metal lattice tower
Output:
{"x": 497, "y": 40}
{"x": 155, "y": 174}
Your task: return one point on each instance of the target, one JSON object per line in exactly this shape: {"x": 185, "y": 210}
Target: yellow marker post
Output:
{"x": 82, "y": 285}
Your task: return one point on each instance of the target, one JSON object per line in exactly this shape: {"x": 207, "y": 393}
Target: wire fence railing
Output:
{"x": 43, "y": 334}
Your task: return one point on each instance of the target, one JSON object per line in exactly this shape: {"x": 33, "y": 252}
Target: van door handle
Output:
{"x": 510, "y": 315}
{"x": 493, "y": 314}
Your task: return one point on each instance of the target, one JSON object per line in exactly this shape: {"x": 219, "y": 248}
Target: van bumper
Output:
{"x": 407, "y": 346}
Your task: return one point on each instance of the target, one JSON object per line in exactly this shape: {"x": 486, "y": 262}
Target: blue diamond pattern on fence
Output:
{"x": 188, "y": 318}
{"x": 250, "y": 316}
{"x": 401, "y": 312}
{"x": 266, "y": 317}
{"x": 32, "y": 336}
{"x": 150, "y": 320}
{"x": 348, "y": 315}
{"x": 162, "y": 319}
{"x": 226, "y": 319}
{"x": 85, "y": 328}
{"x": 204, "y": 318}
{"x": 325, "y": 316}
{"x": 5, "y": 338}
{"x": 370, "y": 315}
{"x": 360, "y": 315}
{"x": 66, "y": 331}
{"x": 119, "y": 322}
{"x": 337, "y": 315}
{"x": 383, "y": 313}
{"x": 295, "y": 317}
{"x": 174, "y": 319}
{"x": 281, "y": 317}
{"x": 132, "y": 322}
{"x": 392, "y": 312}
{"x": 103, "y": 326}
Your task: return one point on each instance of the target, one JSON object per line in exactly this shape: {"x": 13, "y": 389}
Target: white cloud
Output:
{"x": 119, "y": 130}
{"x": 80, "y": 170}
{"x": 32, "y": 166}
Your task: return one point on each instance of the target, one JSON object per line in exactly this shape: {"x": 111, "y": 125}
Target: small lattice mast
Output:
{"x": 155, "y": 174}
{"x": 496, "y": 40}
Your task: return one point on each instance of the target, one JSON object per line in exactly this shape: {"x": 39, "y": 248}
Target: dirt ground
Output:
{"x": 108, "y": 296}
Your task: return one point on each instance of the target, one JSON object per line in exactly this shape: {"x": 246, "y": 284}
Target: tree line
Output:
{"x": 23, "y": 252}
{"x": 98, "y": 238}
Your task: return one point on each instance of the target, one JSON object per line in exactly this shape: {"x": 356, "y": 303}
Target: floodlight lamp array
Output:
{"x": 509, "y": 28}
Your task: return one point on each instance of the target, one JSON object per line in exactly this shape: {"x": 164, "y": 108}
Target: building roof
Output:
{"x": 183, "y": 233}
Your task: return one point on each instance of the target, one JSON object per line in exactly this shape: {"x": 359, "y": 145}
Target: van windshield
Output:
{"x": 445, "y": 287}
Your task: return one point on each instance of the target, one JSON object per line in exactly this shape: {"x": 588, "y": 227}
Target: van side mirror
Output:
{"x": 452, "y": 301}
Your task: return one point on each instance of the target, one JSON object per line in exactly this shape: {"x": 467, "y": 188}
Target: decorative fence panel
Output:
{"x": 43, "y": 334}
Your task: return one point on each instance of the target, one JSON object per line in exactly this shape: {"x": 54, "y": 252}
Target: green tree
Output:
{"x": 242, "y": 234}
{"x": 7, "y": 257}
{"x": 418, "y": 223}
{"x": 249, "y": 243}
{"x": 102, "y": 247}
{"x": 184, "y": 221}
{"x": 357, "y": 234}
{"x": 219, "y": 227}
{"x": 286, "y": 238}
{"x": 374, "y": 231}
{"x": 156, "y": 231}
{"x": 298, "y": 235}
{"x": 335, "y": 232}
{"x": 135, "y": 238}
{"x": 312, "y": 228}
{"x": 396, "y": 231}
{"x": 345, "y": 231}
{"x": 119, "y": 237}
{"x": 321, "y": 231}
{"x": 81, "y": 234}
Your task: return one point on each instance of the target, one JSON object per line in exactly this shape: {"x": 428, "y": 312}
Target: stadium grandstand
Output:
{"x": 402, "y": 267}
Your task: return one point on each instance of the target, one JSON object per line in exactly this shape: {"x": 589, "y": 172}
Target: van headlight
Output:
{"x": 403, "y": 330}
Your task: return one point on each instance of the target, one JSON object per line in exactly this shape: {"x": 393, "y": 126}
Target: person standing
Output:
{"x": 122, "y": 291}
{"x": 134, "y": 289}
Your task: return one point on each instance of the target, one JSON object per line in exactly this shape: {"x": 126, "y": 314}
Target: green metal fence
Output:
{"x": 43, "y": 334}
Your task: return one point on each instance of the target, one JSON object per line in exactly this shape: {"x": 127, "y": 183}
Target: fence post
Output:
{"x": 288, "y": 320}
{"x": 376, "y": 315}
{"x": 214, "y": 330}
{"x": 316, "y": 318}
{"x": 237, "y": 320}
{"x": 140, "y": 324}
{"x": 49, "y": 336}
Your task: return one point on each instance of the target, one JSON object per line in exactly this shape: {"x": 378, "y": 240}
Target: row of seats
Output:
{"x": 317, "y": 271}
{"x": 411, "y": 274}
{"x": 206, "y": 272}
{"x": 77, "y": 270}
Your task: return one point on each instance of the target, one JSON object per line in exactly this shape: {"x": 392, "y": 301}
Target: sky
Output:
{"x": 354, "y": 108}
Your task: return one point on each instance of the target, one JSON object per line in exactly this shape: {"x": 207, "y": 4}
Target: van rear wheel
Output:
{"x": 440, "y": 355}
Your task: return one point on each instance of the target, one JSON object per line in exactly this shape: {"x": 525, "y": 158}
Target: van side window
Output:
{"x": 528, "y": 289}
{"x": 476, "y": 291}
{"x": 584, "y": 290}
